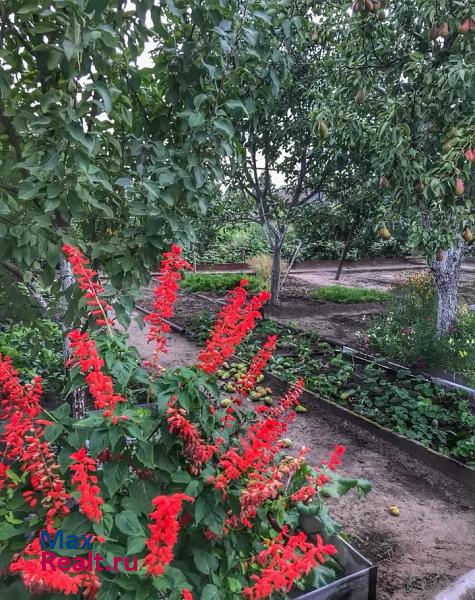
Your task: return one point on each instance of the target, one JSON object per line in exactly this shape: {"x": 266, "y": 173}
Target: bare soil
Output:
{"x": 420, "y": 552}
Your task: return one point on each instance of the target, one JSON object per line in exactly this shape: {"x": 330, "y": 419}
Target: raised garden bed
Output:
{"x": 357, "y": 579}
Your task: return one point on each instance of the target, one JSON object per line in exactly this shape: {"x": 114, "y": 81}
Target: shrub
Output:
{"x": 196, "y": 491}
{"x": 408, "y": 330}
{"x": 36, "y": 349}
{"x": 349, "y": 295}
{"x": 222, "y": 282}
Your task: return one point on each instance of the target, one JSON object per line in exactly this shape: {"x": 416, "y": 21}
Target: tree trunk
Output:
{"x": 78, "y": 396}
{"x": 345, "y": 251}
{"x": 275, "y": 274}
{"x": 446, "y": 274}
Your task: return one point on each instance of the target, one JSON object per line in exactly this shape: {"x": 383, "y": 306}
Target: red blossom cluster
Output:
{"x": 262, "y": 488}
{"x": 84, "y": 354}
{"x": 258, "y": 363}
{"x": 22, "y": 437}
{"x": 86, "y": 279}
{"x": 288, "y": 402}
{"x": 284, "y": 561}
{"x": 186, "y": 595}
{"x": 84, "y": 467}
{"x": 335, "y": 456}
{"x": 39, "y": 462}
{"x": 165, "y": 294}
{"x": 233, "y": 323}
{"x": 39, "y": 580}
{"x": 164, "y": 532}
{"x": 195, "y": 450}
{"x": 255, "y": 453}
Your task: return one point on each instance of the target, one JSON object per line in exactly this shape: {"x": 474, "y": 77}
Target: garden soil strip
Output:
{"x": 420, "y": 552}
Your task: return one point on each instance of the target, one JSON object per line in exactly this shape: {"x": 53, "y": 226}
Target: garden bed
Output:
{"x": 411, "y": 406}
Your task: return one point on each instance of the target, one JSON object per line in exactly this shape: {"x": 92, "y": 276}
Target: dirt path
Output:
{"x": 180, "y": 351}
{"x": 420, "y": 552}
{"x": 430, "y": 544}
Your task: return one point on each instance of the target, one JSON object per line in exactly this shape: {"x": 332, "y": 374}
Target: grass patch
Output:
{"x": 349, "y": 295}
{"x": 219, "y": 282}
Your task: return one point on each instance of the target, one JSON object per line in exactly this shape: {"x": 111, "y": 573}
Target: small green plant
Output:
{"x": 36, "y": 349}
{"x": 407, "y": 331}
{"x": 219, "y": 282}
{"x": 349, "y": 295}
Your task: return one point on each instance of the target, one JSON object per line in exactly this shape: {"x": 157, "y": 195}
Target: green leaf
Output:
{"x": 8, "y": 531}
{"x": 115, "y": 475}
{"x": 236, "y": 104}
{"x": 210, "y": 592}
{"x": 92, "y": 421}
{"x": 105, "y": 95}
{"x": 141, "y": 494}
{"x": 196, "y": 119}
{"x": 127, "y": 521}
{"x": 224, "y": 125}
{"x": 205, "y": 562}
{"x": 78, "y": 134}
{"x": 135, "y": 544}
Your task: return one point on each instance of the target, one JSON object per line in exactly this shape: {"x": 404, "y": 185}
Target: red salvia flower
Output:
{"x": 194, "y": 449}
{"x": 86, "y": 278}
{"x": 285, "y": 561}
{"x": 165, "y": 296}
{"x": 84, "y": 354}
{"x": 20, "y": 407}
{"x": 164, "y": 532}
{"x": 40, "y": 581}
{"x": 335, "y": 456}
{"x": 84, "y": 468}
{"x": 288, "y": 402}
{"x": 255, "y": 453}
{"x": 258, "y": 363}
{"x": 39, "y": 462}
{"x": 186, "y": 594}
{"x": 233, "y": 323}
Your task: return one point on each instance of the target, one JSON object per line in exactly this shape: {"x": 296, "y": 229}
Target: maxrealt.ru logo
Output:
{"x": 90, "y": 561}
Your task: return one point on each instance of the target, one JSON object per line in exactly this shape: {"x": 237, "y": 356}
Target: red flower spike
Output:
{"x": 22, "y": 437}
{"x": 40, "y": 581}
{"x": 100, "y": 385}
{"x": 165, "y": 294}
{"x": 258, "y": 363}
{"x": 233, "y": 323}
{"x": 86, "y": 279}
{"x": 288, "y": 402}
{"x": 164, "y": 532}
{"x": 186, "y": 595}
{"x": 254, "y": 454}
{"x": 84, "y": 468}
{"x": 194, "y": 449}
{"x": 284, "y": 561}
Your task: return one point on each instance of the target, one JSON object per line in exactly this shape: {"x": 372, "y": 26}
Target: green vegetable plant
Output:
{"x": 349, "y": 295}
{"x": 410, "y": 405}
{"x": 210, "y": 282}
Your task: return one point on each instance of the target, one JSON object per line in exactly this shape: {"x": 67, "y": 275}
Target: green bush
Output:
{"x": 349, "y": 295}
{"x": 36, "y": 349}
{"x": 407, "y": 331}
{"x": 219, "y": 282}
